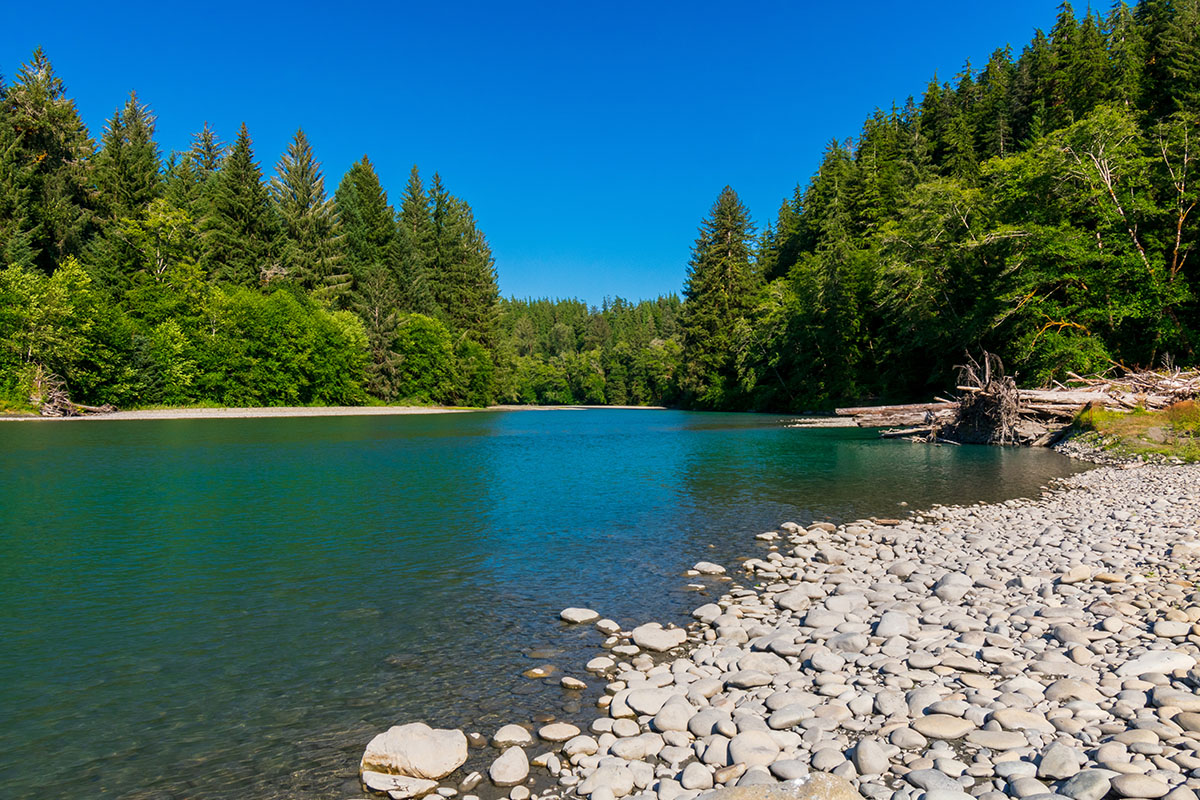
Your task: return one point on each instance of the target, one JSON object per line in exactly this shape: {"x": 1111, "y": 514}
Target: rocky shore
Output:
{"x": 1038, "y": 648}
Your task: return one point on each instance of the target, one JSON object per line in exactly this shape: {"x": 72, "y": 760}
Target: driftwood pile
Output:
{"x": 49, "y": 396}
{"x": 992, "y": 410}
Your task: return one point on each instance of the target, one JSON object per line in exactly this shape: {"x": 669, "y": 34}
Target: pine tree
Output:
{"x": 462, "y": 275}
{"x": 190, "y": 177}
{"x": 1086, "y": 67}
{"x": 241, "y": 232}
{"x": 1063, "y": 46}
{"x": 1126, "y": 57}
{"x": 128, "y": 166}
{"x": 1033, "y": 90}
{"x": 416, "y": 246}
{"x": 50, "y": 142}
{"x": 719, "y": 294}
{"x": 1181, "y": 46}
{"x": 128, "y": 177}
{"x": 993, "y": 115}
{"x": 16, "y": 232}
{"x": 368, "y": 232}
{"x": 311, "y": 254}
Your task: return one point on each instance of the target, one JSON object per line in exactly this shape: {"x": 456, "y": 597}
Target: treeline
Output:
{"x": 563, "y": 352}
{"x": 195, "y": 279}
{"x": 1043, "y": 207}
{"x": 141, "y": 280}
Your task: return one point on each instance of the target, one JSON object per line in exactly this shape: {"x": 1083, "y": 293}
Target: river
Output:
{"x": 232, "y": 608}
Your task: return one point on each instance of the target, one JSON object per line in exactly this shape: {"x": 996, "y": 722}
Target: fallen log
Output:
{"x": 863, "y": 411}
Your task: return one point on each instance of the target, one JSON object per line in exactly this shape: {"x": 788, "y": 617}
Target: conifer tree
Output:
{"x": 368, "y": 229}
{"x": 128, "y": 165}
{"x": 241, "y": 232}
{"x": 719, "y": 294}
{"x": 189, "y": 177}
{"x": 462, "y": 275}
{"x": 49, "y": 140}
{"x": 1181, "y": 46}
{"x": 310, "y": 255}
{"x": 16, "y": 231}
{"x": 1126, "y": 57}
{"x": 416, "y": 247}
{"x": 993, "y": 114}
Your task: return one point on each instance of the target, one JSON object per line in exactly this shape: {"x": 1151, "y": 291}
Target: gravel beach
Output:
{"x": 1040, "y": 648}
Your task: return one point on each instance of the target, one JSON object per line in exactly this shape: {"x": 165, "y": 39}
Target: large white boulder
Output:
{"x": 416, "y": 751}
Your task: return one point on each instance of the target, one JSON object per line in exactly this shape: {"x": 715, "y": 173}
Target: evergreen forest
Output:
{"x": 1042, "y": 207}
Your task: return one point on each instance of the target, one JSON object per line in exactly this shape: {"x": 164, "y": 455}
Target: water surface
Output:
{"x": 232, "y": 608}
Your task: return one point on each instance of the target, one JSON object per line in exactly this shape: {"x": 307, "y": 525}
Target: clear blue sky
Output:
{"x": 590, "y": 137}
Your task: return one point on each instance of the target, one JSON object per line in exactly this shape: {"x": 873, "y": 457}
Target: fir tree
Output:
{"x": 462, "y": 275}
{"x": 368, "y": 231}
{"x": 311, "y": 254}
{"x": 1126, "y": 57}
{"x": 1181, "y": 46}
{"x": 128, "y": 166}
{"x": 416, "y": 246}
{"x": 52, "y": 185}
{"x": 719, "y": 294}
{"x": 241, "y": 233}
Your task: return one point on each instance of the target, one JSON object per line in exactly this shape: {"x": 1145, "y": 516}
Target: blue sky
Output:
{"x": 590, "y": 138}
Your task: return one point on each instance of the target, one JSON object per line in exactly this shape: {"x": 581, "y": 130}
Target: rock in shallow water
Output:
{"x": 578, "y": 616}
{"x": 415, "y": 750}
{"x": 511, "y": 768}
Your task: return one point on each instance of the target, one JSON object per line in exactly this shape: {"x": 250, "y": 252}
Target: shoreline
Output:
{"x": 300, "y": 411}
{"x": 1032, "y": 646}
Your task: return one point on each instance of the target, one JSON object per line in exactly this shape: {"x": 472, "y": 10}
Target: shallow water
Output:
{"x": 232, "y": 608}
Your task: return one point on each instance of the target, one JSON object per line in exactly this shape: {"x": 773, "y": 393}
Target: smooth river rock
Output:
{"x": 653, "y": 636}
{"x": 415, "y": 750}
{"x": 814, "y": 786}
{"x": 511, "y": 768}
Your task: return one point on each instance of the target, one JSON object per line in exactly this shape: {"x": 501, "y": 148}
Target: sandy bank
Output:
{"x": 250, "y": 413}
{"x": 302, "y": 411}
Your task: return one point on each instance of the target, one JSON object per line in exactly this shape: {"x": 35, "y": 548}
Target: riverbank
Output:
{"x": 297, "y": 411}
{"x": 1040, "y": 647}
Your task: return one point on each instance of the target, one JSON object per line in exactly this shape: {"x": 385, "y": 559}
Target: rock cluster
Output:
{"x": 1029, "y": 649}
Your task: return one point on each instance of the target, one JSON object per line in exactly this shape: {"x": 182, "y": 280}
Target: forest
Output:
{"x": 1042, "y": 207}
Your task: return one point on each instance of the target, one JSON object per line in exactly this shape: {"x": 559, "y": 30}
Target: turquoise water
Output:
{"x": 232, "y": 608}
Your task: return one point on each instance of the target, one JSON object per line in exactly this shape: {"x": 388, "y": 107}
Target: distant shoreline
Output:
{"x": 297, "y": 411}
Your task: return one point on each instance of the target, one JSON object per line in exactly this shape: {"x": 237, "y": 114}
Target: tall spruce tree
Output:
{"x": 369, "y": 247}
{"x": 1126, "y": 57}
{"x": 719, "y": 294}
{"x": 462, "y": 275}
{"x": 190, "y": 176}
{"x": 52, "y": 184}
{"x": 128, "y": 178}
{"x": 416, "y": 247}
{"x": 311, "y": 253}
{"x": 128, "y": 166}
{"x": 241, "y": 232}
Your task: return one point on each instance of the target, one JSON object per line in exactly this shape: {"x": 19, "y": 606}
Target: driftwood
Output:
{"x": 50, "y": 396}
{"x": 992, "y": 409}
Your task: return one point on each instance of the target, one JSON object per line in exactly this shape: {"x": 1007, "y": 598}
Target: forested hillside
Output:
{"x": 1042, "y": 207}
